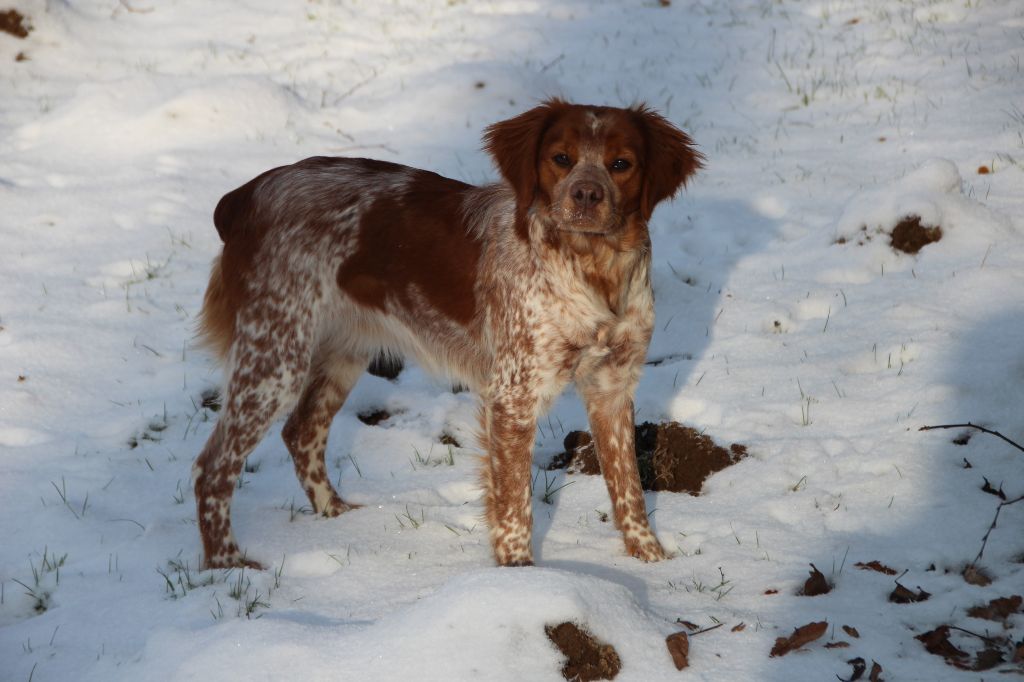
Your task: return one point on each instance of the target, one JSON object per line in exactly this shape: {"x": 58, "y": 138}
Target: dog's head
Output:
{"x": 589, "y": 169}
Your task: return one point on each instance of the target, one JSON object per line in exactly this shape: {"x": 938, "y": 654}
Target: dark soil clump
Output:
{"x": 909, "y": 235}
{"x": 373, "y": 417}
{"x": 13, "y": 22}
{"x": 586, "y": 658}
{"x": 671, "y": 457}
{"x": 579, "y": 456}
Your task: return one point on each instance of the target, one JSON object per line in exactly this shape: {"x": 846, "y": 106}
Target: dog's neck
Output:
{"x": 611, "y": 264}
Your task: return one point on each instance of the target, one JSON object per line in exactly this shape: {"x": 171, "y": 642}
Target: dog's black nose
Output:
{"x": 587, "y": 194}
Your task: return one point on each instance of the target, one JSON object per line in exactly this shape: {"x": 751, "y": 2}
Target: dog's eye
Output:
{"x": 562, "y": 160}
{"x": 621, "y": 165}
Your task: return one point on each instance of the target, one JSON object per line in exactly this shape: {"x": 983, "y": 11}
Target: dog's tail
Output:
{"x": 216, "y": 328}
{"x": 233, "y": 210}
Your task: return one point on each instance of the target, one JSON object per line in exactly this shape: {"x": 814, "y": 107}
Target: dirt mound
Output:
{"x": 12, "y": 21}
{"x": 579, "y": 456}
{"x": 586, "y": 658}
{"x": 910, "y": 235}
{"x": 671, "y": 457}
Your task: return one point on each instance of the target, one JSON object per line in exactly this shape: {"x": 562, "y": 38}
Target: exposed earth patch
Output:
{"x": 12, "y": 21}
{"x": 586, "y": 657}
{"x": 671, "y": 457}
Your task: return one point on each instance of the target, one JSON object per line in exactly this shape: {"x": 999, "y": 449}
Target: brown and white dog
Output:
{"x": 514, "y": 289}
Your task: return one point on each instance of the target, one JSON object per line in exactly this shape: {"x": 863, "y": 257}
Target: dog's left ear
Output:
{"x": 515, "y": 143}
{"x": 670, "y": 158}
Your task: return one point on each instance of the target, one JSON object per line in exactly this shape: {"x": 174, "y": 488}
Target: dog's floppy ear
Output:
{"x": 670, "y": 158}
{"x": 515, "y": 143}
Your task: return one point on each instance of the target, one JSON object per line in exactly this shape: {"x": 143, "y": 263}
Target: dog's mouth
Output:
{"x": 585, "y": 221}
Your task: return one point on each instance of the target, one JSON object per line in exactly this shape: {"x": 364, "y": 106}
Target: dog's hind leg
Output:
{"x": 306, "y": 430}
{"x": 269, "y": 367}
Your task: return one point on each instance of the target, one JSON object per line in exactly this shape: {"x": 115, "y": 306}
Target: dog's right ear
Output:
{"x": 515, "y": 143}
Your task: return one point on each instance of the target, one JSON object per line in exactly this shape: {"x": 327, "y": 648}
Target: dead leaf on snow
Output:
{"x": 859, "y": 666}
{"x": 815, "y": 584}
{"x": 851, "y": 631}
{"x": 937, "y": 642}
{"x": 998, "y": 609}
{"x": 987, "y": 659}
{"x": 876, "y": 673}
{"x": 678, "y": 645}
{"x": 987, "y": 488}
{"x": 838, "y": 644}
{"x": 976, "y": 576}
{"x": 875, "y": 566}
{"x": 901, "y": 595}
{"x": 805, "y": 634}
{"x": 739, "y": 628}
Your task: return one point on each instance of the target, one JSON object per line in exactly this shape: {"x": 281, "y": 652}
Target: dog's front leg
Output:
{"x": 510, "y": 424}
{"x": 607, "y": 386}
{"x": 611, "y": 421}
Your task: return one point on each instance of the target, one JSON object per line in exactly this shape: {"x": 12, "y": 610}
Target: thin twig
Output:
{"x": 969, "y": 425}
{"x": 992, "y": 527}
{"x": 701, "y": 632}
{"x": 1004, "y": 503}
{"x": 973, "y": 634}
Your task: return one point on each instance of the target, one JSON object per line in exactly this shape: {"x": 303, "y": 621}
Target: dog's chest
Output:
{"x": 576, "y": 328}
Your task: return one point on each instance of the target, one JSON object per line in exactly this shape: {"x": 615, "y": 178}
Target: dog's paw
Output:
{"x": 646, "y": 549}
{"x": 523, "y": 562}
{"x": 231, "y": 559}
{"x": 337, "y": 507}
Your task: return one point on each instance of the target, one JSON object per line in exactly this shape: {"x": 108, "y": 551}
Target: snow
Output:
{"x": 128, "y": 120}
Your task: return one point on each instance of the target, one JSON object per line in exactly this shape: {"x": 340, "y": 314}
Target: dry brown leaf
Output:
{"x": 839, "y": 644}
{"x": 998, "y": 609}
{"x": 987, "y": 659}
{"x": 902, "y": 595}
{"x": 976, "y": 576}
{"x": 937, "y": 642}
{"x": 875, "y": 566}
{"x": 859, "y": 666}
{"x": 987, "y": 488}
{"x": 739, "y": 628}
{"x": 851, "y": 631}
{"x": 805, "y": 634}
{"x": 688, "y": 625}
{"x": 769, "y": 592}
{"x": 876, "y": 673}
{"x": 815, "y": 584}
{"x": 678, "y": 645}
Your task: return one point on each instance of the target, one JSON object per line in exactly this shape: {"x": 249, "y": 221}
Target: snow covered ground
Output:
{"x": 780, "y": 325}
